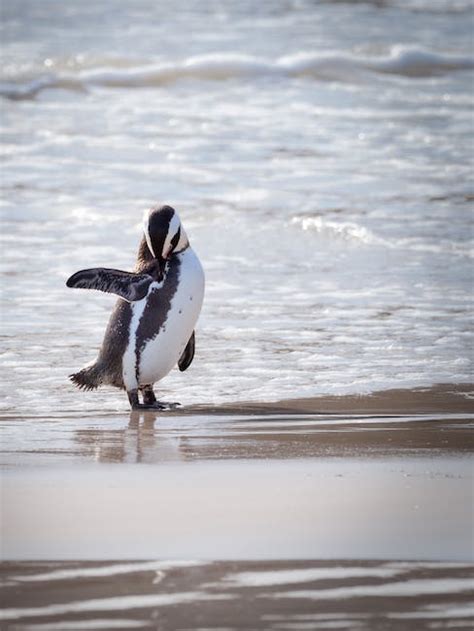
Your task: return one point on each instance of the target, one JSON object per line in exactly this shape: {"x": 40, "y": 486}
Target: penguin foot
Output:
{"x": 169, "y": 405}
{"x": 149, "y": 400}
{"x": 149, "y": 406}
{"x": 158, "y": 405}
{"x": 148, "y": 395}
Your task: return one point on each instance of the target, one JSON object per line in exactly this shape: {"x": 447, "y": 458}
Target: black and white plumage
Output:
{"x": 151, "y": 328}
{"x": 127, "y": 285}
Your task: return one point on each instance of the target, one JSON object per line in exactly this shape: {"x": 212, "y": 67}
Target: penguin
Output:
{"x": 151, "y": 328}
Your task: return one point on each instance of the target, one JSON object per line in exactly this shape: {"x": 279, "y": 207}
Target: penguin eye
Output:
{"x": 175, "y": 239}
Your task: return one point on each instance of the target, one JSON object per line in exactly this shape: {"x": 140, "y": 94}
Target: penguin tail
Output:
{"x": 89, "y": 378}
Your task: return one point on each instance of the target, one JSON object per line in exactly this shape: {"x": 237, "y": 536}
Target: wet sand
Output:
{"x": 356, "y": 512}
{"x": 276, "y": 595}
{"x": 401, "y": 423}
{"x": 408, "y": 509}
{"x": 448, "y": 398}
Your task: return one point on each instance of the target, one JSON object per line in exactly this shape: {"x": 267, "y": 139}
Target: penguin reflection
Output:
{"x": 138, "y": 442}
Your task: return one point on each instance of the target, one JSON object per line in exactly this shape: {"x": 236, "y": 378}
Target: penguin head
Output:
{"x": 163, "y": 231}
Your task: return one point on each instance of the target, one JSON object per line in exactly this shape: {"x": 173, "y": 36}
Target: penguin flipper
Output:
{"x": 188, "y": 354}
{"x": 127, "y": 285}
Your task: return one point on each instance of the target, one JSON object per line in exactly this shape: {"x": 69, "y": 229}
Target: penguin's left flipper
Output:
{"x": 188, "y": 354}
{"x": 127, "y": 285}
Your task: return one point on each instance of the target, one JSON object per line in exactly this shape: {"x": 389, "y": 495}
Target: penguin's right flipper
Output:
{"x": 127, "y": 285}
{"x": 188, "y": 354}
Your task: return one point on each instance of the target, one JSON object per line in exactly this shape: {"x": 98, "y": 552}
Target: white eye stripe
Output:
{"x": 146, "y": 218}
{"x": 172, "y": 230}
{"x": 183, "y": 241}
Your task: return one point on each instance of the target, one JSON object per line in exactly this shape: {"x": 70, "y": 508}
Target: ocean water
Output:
{"x": 319, "y": 154}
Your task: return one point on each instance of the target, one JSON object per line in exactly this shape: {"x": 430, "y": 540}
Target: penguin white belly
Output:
{"x": 156, "y": 356}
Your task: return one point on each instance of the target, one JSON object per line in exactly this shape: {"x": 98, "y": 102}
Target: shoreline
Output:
{"x": 197, "y": 484}
{"x": 435, "y": 399}
{"x": 439, "y": 398}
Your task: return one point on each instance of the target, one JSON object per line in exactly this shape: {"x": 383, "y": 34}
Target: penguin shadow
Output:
{"x": 142, "y": 440}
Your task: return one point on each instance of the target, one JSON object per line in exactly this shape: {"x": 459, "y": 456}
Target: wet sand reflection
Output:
{"x": 153, "y": 438}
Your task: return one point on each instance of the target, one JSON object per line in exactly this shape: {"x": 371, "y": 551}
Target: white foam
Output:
{"x": 373, "y": 295}
{"x": 344, "y": 230}
{"x": 414, "y": 61}
{"x": 402, "y": 60}
{"x": 356, "y": 233}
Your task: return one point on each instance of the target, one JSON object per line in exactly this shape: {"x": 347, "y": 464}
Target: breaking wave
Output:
{"x": 357, "y": 234}
{"x": 343, "y": 230}
{"x": 402, "y": 60}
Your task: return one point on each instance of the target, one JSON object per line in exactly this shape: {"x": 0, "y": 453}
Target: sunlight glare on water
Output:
{"x": 319, "y": 154}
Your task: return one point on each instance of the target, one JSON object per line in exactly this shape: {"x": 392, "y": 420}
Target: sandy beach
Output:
{"x": 366, "y": 499}
{"x": 272, "y": 595}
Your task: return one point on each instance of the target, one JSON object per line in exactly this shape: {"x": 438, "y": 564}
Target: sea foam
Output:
{"x": 347, "y": 67}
